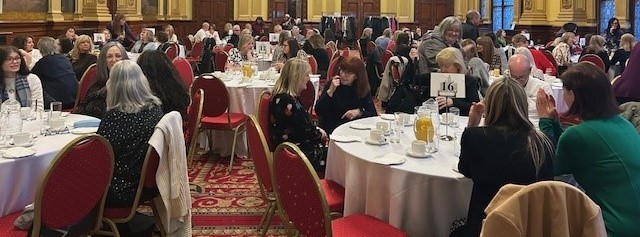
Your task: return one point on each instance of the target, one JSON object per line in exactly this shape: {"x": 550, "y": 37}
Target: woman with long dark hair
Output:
{"x": 165, "y": 81}
{"x": 16, "y": 82}
{"x": 613, "y": 33}
{"x": 120, "y": 30}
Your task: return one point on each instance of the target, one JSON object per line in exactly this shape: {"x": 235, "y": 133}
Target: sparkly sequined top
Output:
{"x": 128, "y": 135}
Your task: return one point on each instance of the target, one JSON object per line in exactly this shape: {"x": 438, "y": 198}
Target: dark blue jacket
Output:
{"x": 58, "y": 79}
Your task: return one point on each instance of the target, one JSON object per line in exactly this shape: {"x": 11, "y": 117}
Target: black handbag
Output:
{"x": 409, "y": 92}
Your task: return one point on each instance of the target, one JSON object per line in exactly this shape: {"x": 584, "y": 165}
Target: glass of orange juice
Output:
{"x": 423, "y": 128}
{"x": 246, "y": 70}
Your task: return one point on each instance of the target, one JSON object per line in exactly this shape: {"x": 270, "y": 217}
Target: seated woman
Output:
{"x": 81, "y": 56}
{"x": 489, "y": 54}
{"x": 146, "y": 39}
{"x": 477, "y": 67}
{"x": 290, "y": 49}
{"x": 596, "y": 46}
{"x": 133, "y": 112}
{"x": 450, "y": 60}
{"x": 165, "y": 81}
{"x": 30, "y": 54}
{"x": 317, "y": 50}
{"x": 17, "y": 83}
{"x": 602, "y": 151}
{"x": 562, "y": 51}
{"x": 627, "y": 87}
{"x": 94, "y": 103}
{"x": 277, "y": 50}
{"x": 289, "y": 121}
{"x": 507, "y": 149}
{"x": 346, "y": 97}
{"x": 627, "y": 42}
{"x": 56, "y": 74}
{"x": 446, "y": 35}
{"x": 244, "y": 53}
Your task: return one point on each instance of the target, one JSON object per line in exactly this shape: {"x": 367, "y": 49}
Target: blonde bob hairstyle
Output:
{"x": 128, "y": 90}
{"x": 506, "y": 108}
{"x": 454, "y": 56}
{"x": 294, "y": 70}
{"x": 627, "y": 41}
{"x": 75, "y": 53}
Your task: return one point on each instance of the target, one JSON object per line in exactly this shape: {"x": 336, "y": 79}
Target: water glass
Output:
{"x": 455, "y": 115}
{"x": 55, "y": 109}
{"x": 456, "y": 143}
{"x": 433, "y": 144}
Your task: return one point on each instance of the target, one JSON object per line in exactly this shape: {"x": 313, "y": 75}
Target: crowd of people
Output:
{"x": 600, "y": 151}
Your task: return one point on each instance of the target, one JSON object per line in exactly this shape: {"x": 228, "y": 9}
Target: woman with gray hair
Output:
{"x": 447, "y": 35}
{"x": 146, "y": 37}
{"x": 94, "y": 103}
{"x": 450, "y": 60}
{"x": 56, "y": 74}
{"x": 132, "y": 114}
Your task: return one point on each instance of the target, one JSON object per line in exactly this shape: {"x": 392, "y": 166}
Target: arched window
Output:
{"x": 607, "y": 10}
{"x": 502, "y": 14}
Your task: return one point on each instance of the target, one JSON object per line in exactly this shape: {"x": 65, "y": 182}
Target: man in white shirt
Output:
{"x": 203, "y": 32}
{"x": 520, "y": 70}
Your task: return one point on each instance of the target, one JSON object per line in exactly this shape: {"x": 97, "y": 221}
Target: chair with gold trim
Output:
{"x": 299, "y": 193}
{"x": 194, "y": 115}
{"x": 85, "y": 83}
{"x": 71, "y": 196}
{"x": 263, "y": 118}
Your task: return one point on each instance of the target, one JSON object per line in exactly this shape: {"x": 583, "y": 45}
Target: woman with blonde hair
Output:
{"x": 450, "y": 60}
{"x": 81, "y": 55}
{"x": 171, "y": 33}
{"x": 364, "y": 40}
{"x": 244, "y": 52}
{"x": 318, "y": 51}
{"x": 477, "y": 67}
{"x": 596, "y": 46}
{"x": 507, "y": 149}
{"x": 562, "y": 51}
{"x": 290, "y": 122}
{"x": 627, "y": 42}
{"x": 146, "y": 37}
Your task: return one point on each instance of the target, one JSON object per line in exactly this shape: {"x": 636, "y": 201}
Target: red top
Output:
{"x": 542, "y": 62}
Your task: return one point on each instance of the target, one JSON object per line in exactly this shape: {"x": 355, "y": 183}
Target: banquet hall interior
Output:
{"x": 350, "y": 154}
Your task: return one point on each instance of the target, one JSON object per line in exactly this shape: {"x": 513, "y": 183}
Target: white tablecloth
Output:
{"x": 19, "y": 178}
{"x": 243, "y": 98}
{"x": 423, "y": 196}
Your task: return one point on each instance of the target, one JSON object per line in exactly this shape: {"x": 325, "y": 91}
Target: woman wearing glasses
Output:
{"x": 17, "y": 82}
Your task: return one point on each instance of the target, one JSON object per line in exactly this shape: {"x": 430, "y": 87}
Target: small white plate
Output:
{"x": 351, "y": 138}
{"x": 361, "y": 126}
{"x": 80, "y": 131}
{"x": 388, "y": 117}
{"x": 416, "y": 155}
{"x": 28, "y": 144}
{"x": 18, "y": 152}
{"x": 64, "y": 114}
{"x": 370, "y": 142}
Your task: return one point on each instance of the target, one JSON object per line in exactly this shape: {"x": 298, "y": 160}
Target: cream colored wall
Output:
{"x": 248, "y": 10}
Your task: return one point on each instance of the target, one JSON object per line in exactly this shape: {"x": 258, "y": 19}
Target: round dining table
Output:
{"x": 243, "y": 98}
{"x": 20, "y": 178}
{"x": 422, "y": 196}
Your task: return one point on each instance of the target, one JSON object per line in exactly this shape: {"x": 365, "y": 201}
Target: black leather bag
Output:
{"x": 408, "y": 93}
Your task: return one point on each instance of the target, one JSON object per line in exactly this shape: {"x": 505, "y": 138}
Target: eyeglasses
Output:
{"x": 16, "y": 59}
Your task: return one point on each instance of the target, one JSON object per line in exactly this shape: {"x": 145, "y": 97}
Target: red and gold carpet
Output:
{"x": 227, "y": 204}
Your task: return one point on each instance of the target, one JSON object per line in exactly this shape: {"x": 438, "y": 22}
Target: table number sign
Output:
{"x": 448, "y": 85}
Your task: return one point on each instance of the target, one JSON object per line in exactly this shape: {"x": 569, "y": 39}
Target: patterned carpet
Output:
{"x": 227, "y": 204}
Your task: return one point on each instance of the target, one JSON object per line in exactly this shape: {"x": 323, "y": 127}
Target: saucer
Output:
{"x": 81, "y": 131}
{"x": 417, "y": 155}
{"x": 345, "y": 139}
{"x": 361, "y": 126}
{"x": 18, "y": 152}
{"x": 388, "y": 117}
{"x": 370, "y": 142}
{"x": 28, "y": 144}
{"x": 64, "y": 114}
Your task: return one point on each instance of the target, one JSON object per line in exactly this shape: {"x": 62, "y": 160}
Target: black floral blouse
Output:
{"x": 291, "y": 123}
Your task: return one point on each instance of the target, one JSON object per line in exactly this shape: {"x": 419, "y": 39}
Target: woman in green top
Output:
{"x": 603, "y": 152}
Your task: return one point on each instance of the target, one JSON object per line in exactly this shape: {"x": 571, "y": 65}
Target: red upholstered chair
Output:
{"x": 85, "y": 82}
{"x": 196, "y": 53}
{"x": 395, "y": 72}
{"x": 300, "y": 195}
{"x": 263, "y": 118}
{"x": 592, "y": 58}
{"x": 313, "y": 63}
{"x": 308, "y": 96}
{"x": 221, "y": 60}
{"x": 172, "y": 51}
{"x": 550, "y": 57}
{"x": 264, "y": 39}
{"x": 370, "y": 47}
{"x": 194, "y": 115}
{"x": 216, "y": 114}
{"x": 148, "y": 182}
{"x": 386, "y": 55}
{"x": 188, "y": 44}
{"x": 72, "y": 193}
{"x": 185, "y": 70}
{"x": 329, "y": 52}
{"x": 228, "y": 47}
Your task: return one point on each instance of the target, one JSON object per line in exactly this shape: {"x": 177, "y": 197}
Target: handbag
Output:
{"x": 408, "y": 92}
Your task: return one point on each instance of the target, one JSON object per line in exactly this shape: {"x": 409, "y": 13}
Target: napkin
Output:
{"x": 390, "y": 159}
{"x": 87, "y": 123}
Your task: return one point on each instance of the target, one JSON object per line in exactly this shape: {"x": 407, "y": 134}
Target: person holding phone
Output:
{"x": 346, "y": 97}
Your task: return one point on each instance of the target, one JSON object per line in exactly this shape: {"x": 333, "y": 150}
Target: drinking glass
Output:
{"x": 55, "y": 110}
{"x": 455, "y": 114}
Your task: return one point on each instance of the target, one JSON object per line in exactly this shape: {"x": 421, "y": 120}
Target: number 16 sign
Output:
{"x": 447, "y": 85}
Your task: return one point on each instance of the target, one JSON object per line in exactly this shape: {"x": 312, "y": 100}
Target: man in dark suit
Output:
{"x": 470, "y": 27}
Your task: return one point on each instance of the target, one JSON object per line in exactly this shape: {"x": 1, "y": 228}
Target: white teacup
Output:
{"x": 376, "y": 136}
{"x": 21, "y": 138}
{"x": 383, "y": 126}
{"x": 419, "y": 147}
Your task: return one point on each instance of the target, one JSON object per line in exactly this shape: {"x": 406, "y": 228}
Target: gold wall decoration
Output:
{"x": 131, "y": 2}
{"x": 25, "y": 5}
{"x": 567, "y": 4}
{"x": 99, "y": 1}
{"x": 528, "y": 5}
